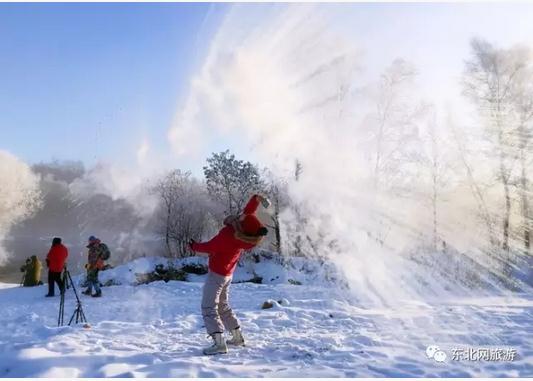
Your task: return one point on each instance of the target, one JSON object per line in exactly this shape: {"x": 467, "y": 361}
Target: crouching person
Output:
{"x": 240, "y": 233}
{"x": 32, "y": 272}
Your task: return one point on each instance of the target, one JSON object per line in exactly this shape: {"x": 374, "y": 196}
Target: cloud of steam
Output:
{"x": 129, "y": 184}
{"x": 19, "y": 195}
{"x": 116, "y": 204}
{"x": 109, "y": 201}
{"x": 285, "y": 83}
{"x": 280, "y": 86}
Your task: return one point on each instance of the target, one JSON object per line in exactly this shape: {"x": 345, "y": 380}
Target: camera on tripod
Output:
{"x": 78, "y": 313}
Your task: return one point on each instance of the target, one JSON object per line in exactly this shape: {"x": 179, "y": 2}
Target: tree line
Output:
{"x": 489, "y": 156}
{"x": 413, "y": 153}
{"x": 192, "y": 209}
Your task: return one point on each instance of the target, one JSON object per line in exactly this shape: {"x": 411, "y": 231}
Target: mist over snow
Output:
{"x": 108, "y": 201}
{"x": 284, "y": 82}
{"x": 279, "y": 85}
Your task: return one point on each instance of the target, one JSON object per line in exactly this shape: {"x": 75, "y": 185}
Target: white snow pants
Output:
{"x": 216, "y": 311}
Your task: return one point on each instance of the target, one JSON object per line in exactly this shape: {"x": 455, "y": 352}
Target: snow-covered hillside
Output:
{"x": 156, "y": 330}
{"x": 262, "y": 266}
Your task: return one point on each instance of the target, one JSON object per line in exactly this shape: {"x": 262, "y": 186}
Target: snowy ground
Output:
{"x": 155, "y": 330}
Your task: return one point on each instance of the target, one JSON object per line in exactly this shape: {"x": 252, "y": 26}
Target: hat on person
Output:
{"x": 92, "y": 240}
{"x": 250, "y": 224}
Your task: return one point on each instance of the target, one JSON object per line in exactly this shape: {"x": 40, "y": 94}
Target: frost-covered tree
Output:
{"x": 435, "y": 177}
{"x": 476, "y": 186}
{"x": 184, "y": 211}
{"x": 20, "y": 196}
{"x": 491, "y": 79}
{"x": 397, "y": 114}
{"x": 277, "y": 192}
{"x": 522, "y": 106}
{"x": 231, "y": 181}
{"x": 392, "y": 139}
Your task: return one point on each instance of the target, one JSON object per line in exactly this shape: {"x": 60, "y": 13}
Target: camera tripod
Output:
{"x": 78, "y": 312}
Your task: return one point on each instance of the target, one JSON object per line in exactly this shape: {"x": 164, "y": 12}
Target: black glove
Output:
{"x": 262, "y": 232}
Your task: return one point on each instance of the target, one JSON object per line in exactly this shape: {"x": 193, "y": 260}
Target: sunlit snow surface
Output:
{"x": 156, "y": 330}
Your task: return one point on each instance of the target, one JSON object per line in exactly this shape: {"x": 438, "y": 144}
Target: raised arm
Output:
{"x": 254, "y": 202}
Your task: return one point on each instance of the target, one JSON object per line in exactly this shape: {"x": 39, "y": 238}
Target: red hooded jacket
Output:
{"x": 226, "y": 247}
{"x": 56, "y": 258}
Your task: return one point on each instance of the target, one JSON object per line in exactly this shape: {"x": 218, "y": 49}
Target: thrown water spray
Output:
{"x": 293, "y": 89}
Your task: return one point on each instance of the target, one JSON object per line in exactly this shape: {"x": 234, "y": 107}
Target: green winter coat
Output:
{"x": 32, "y": 272}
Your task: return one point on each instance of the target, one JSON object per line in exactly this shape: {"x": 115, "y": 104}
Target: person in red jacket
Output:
{"x": 55, "y": 261}
{"x": 240, "y": 233}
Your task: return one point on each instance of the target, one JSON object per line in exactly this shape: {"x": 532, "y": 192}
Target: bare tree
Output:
{"x": 295, "y": 229}
{"x": 167, "y": 189}
{"x": 490, "y": 77}
{"x": 523, "y": 107}
{"x": 475, "y": 187}
{"x": 395, "y": 141}
{"x": 435, "y": 164}
{"x": 396, "y": 116}
{"x": 277, "y": 191}
{"x": 438, "y": 170}
{"x": 184, "y": 211}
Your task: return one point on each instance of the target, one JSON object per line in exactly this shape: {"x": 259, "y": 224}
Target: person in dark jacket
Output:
{"x": 55, "y": 260}
{"x": 240, "y": 233}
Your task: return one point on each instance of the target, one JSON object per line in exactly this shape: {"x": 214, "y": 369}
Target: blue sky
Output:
{"x": 89, "y": 81}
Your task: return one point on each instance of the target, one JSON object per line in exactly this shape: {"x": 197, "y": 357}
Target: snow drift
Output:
{"x": 259, "y": 266}
{"x": 156, "y": 330}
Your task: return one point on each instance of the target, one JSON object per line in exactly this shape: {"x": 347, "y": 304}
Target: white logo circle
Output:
{"x": 440, "y": 356}
{"x": 431, "y": 350}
